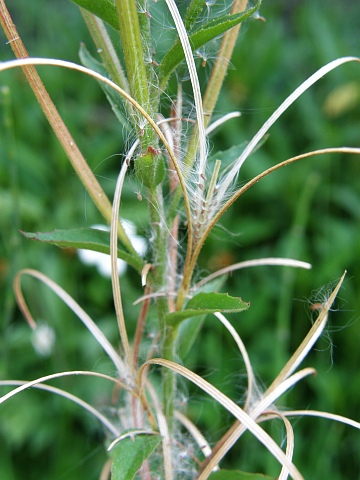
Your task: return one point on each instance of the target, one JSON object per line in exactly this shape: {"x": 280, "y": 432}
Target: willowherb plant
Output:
{"x": 187, "y": 189}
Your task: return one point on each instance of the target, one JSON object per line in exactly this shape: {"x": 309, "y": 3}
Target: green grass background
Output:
{"x": 309, "y": 211}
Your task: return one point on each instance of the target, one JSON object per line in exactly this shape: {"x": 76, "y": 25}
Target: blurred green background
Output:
{"x": 309, "y": 211}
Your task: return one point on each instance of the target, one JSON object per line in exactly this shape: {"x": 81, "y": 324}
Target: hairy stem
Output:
{"x": 158, "y": 283}
{"x": 135, "y": 61}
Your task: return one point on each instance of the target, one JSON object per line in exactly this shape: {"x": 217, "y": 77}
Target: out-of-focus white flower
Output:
{"x": 43, "y": 340}
{"x": 102, "y": 260}
{"x": 139, "y": 243}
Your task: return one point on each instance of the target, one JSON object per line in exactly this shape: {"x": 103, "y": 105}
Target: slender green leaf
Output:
{"x": 237, "y": 475}
{"x": 104, "y": 9}
{"x": 205, "y": 303}
{"x": 114, "y": 98}
{"x": 199, "y": 38}
{"x": 85, "y": 238}
{"x": 193, "y": 11}
{"x": 130, "y": 453}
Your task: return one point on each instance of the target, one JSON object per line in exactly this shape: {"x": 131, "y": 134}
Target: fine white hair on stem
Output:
{"x": 196, "y": 434}
{"x": 69, "y": 396}
{"x": 75, "y": 307}
{"x": 234, "y": 409}
{"x": 164, "y": 431}
{"x": 286, "y": 262}
{"x": 202, "y": 157}
{"x": 166, "y": 129}
{"x": 233, "y": 173}
{"x": 162, "y": 218}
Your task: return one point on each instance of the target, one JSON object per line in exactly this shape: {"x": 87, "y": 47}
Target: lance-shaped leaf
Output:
{"x": 85, "y": 238}
{"x": 237, "y": 475}
{"x": 104, "y": 9}
{"x": 129, "y": 454}
{"x": 199, "y": 38}
{"x": 205, "y": 303}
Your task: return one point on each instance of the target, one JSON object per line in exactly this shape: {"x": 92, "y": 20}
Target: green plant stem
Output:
{"x": 68, "y": 144}
{"x": 135, "y": 37}
{"x": 168, "y": 376}
{"x": 159, "y": 249}
{"x": 132, "y": 43}
{"x": 158, "y": 282}
{"x": 152, "y": 81}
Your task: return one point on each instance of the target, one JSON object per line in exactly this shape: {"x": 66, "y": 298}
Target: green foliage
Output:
{"x": 104, "y": 9}
{"x": 201, "y": 37}
{"x": 129, "y": 454}
{"x": 83, "y": 238}
{"x": 308, "y": 211}
{"x": 204, "y": 303}
{"x": 192, "y": 13}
